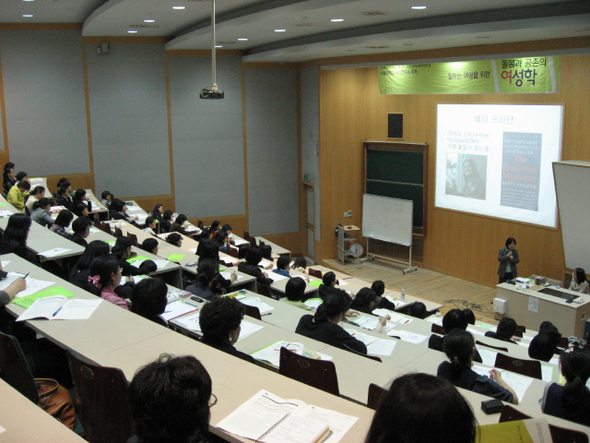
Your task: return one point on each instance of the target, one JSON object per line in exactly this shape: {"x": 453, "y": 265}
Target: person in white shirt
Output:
{"x": 150, "y": 225}
{"x": 579, "y": 281}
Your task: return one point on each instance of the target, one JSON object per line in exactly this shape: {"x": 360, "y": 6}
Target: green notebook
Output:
{"x": 175, "y": 257}
{"x": 315, "y": 283}
{"x": 27, "y": 301}
{"x": 137, "y": 257}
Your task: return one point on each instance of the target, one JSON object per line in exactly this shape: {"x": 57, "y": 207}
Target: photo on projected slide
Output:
{"x": 466, "y": 175}
{"x": 496, "y": 160}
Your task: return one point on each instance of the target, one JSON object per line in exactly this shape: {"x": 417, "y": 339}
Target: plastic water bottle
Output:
{"x": 403, "y": 295}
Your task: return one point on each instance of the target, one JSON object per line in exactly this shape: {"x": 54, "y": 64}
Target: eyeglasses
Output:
{"x": 214, "y": 402}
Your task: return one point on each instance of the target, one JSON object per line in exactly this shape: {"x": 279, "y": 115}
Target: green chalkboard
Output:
{"x": 399, "y": 170}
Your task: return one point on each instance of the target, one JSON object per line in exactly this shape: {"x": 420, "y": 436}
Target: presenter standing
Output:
{"x": 508, "y": 258}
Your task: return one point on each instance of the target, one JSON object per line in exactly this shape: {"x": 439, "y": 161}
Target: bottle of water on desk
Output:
{"x": 403, "y": 295}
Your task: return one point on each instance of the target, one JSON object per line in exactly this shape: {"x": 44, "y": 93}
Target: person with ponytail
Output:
{"x": 40, "y": 212}
{"x": 459, "y": 347}
{"x": 105, "y": 276}
{"x": 572, "y": 401}
{"x": 323, "y": 326}
{"x": 207, "y": 284}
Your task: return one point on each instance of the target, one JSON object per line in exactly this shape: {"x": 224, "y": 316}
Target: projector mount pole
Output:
{"x": 213, "y": 44}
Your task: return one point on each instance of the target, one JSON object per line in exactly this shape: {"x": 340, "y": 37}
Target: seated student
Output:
{"x": 505, "y": 330}
{"x": 544, "y": 345}
{"x": 157, "y": 212}
{"x": 81, "y": 228}
{"x": 37, "y": 194}
{"x": 81, "y": 270}
{"x": 209, "y": 249}
{"x": 119, "y": 212}
{"x": 178, "y": 225}
{"x": 150, "y": 245}
{"x": 579, "y": 281}
{"x": 469, "y": 316}
{"x": 328, "y": 285}
{"x": 215, "y": 226}
{"x": 18, "y": 194}
{"x": 418, "y": 310}
{"x": 174, "y": 239}
{"x": 62, "y": 221}
{"x": 169, "y": 400}
{"x": 40, "y": 212}
{"x": 63, "y": 197}
{"x": 122, "y": 251}
{"x": 149, "y": 299}
{"x": 222, "y": 241}
{"x": 228, "y": 230}
{"x": 420, "y": 408}
{"x": 166, "y": 222}
{"x": 220, "y": 323}
{"x": 379, "y": 288}
{"x": 104, "y": 277}
{"x": 205, "y": 236}
{"x": 549, "y": 329}
{"x": 106, "y": 199}
{"x": 365, "y": 301}
{"x": 207, "y": 284}
{"x": 250, "y": 267}
{"x": 300, "y": 264}
{"x": 459, "y": 347}
{"x": 9, "y": 177}
{"x": 572, "y": 401}
{"x": 283, "y": 264}
{"x": 81, "y": 210}
{"x": 295, "y": 293}
{"x": 15, "y": 237}
{"x": 8, "y": 293}
{"x": 22, "y": 176}
{"x": 80, "y": 198}
{"x": 454, "y": 319}
{"x": 266, "y": 251}
{"x": 324, "y": 324}
{"x": 150, "y": 225}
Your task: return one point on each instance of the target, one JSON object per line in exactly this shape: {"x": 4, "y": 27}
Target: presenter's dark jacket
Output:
{"x": 329, "y": 333}
{"x": 504, "y": 260}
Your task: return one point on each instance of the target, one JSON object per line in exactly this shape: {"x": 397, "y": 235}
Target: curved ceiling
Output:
{"x": 310, "y": 32}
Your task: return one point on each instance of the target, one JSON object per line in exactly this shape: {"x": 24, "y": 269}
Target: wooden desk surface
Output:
{"x": 24, "y": 421}
{"x": 97, "y": 206}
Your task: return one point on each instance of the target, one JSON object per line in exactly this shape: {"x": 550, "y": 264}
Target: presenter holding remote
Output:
{"x": 508, "y": 258}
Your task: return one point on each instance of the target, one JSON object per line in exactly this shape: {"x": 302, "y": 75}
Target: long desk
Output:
{"x": 276, "y": 249}
{"x": 569, "y": 318}
{"x": 119, "y": 338}
{"x": 97, "y": 206}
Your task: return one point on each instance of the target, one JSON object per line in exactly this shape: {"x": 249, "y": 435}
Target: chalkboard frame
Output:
{"x": 393, "y": 147}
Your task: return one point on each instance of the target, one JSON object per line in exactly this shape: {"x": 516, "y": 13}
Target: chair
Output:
{"x": 261, "y": 243}
{"x": 320, "y": 374}
{"x": 133, "y": 238}
{"x": 106, "y": 228}
{"x": 246, "y": 236}
{"x": 530, "y": 368}
{"x": 437, "y": 329}
{"x": 497, "y": 348}
{"x": 200, "y": 225}
{"x": 263, "y": 289}
{"x": 15, "y": 369}
{"x": 563, "y": 343}
{"x": 226, "y": 263}
{"x": 232, "y": 252}
{"x": 315, "y": 273}
{"x": 118, "y": 232}
{"x": 370, "y": 357}
{"x": 252, "y": 241}
{"x": 510, "y": 413}
{"x": 102, "y": 401}
{"x": 376, "y": 393}
{"x": 252, "y": 311}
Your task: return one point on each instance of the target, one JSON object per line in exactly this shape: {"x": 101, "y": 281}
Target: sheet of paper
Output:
{"x": 313, "y": 303}
{"x": 227, "y": 276}
{"x": 43, "y": 308}
{"x": 488, "y": 357}
{"x": 176, "y": 309}
{"x": 239, "y": 242}
{"x": 410, "y": 337}
{"x": 547, "y": 372}
{"x": 381, "y": 346}
{"x": 4, "y": 214}
{"x": 533, "y": 304}
{"x": 366, "y": 321}
{"x": 272, "y": 353}
{"x": 519, "y": 383}
{"x": 365, "y": 338}
{"x": 555, "y": 360}
{"x": 54, "y": 252}
{"x": 434, "y": 319}
{"x": 77, "y": 309}
{"x": 475, "y": 331}
{"x": 248, "y": 329}
{"x": 276, "y": 277}
{"x": 394, "y": 316}
{"x": 257, "y": 303}
{"x": 338, "y": 423}
{"x": 191, "y": 322}
{"x": 5, "y": 263}
{"x": 342, "y": 283}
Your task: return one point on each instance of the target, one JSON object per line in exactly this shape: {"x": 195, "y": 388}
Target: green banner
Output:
{"x": 520, "y": 75}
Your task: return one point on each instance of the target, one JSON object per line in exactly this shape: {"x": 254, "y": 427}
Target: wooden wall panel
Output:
{"x": 458, "y": 244}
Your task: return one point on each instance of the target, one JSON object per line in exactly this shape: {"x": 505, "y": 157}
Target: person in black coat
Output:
{"x": 149, "y": 299}
{"x": 15, "y": 237}
{"x": 250, "y": 266}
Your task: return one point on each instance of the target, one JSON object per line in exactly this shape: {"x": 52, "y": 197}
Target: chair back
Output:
{"x": 232, "y": 251}
{"x": 320, "y": 374}
{"x": 133, "y": 238}
{"x": 354, "y": 351}
{"x": 118, "y": 232}
{"x": 246, "y": 235}
{"x": 226, "y": 263}
{"x": 103, "y": 406}
{"x": 263, "y": 289}
{"x": 252, "y": 241}
{"x": 106, "y": 228}
{"x": 437, "y": 329}
{"x": 200, "y": 224}
{"x": 531, "y": 368}
{"x": 497, "y": 348}
{"x": 252, "y": 311}
{"x": 563, "y": 343}
{"x": 376, "y": 393}
{"x": 14, "y": 368}
{"x": 510, "y": 413}
{"x": 315, "y": 273}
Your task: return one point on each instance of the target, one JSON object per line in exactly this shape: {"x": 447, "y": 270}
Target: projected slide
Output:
{"x": 496, "y": 160}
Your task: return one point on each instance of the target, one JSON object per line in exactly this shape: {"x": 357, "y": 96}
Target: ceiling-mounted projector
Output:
{"x": 211, "y": 93}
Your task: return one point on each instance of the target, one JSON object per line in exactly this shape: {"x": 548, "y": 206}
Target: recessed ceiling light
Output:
{"x": 280, "y": 30}
{"x": 418, "y": 7}
{"x": 28, "y": 0}
{"x": 27, "y": 15}
{"x": 335, "y": 20}
{"x": 149, "y": 20}
{"x": 178, "y": 7}
{"x": 132, "y": 31}
{"x": 242, "y": 39}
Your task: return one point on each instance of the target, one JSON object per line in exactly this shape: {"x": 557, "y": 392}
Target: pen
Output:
{"x": 266, "y": 313}
{"x": 55, "y": 313}
{"x": 26, "y": 275}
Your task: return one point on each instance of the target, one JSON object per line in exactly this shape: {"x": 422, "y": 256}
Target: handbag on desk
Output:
{"x": 56, "y": 401}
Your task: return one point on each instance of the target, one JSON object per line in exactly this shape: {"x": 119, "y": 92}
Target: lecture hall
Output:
{"x": 396, "y": 142}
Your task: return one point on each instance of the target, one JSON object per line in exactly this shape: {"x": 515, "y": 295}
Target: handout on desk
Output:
{"x": 58, "y": 307}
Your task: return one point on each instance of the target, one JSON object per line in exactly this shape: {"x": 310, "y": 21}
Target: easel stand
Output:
{"x": 408, "y": 263}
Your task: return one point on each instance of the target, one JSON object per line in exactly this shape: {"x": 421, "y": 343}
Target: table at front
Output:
{"x": 569, "y": 318}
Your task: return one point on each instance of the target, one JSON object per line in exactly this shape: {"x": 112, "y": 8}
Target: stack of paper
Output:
{"x": 59, "y": 307}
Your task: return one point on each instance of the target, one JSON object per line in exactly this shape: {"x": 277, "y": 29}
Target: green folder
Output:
{"x": 315, "y": 283}
{"x": 27, "y": 301}
{"x": 175, "y": 257}
{"x": 137, "y": 257}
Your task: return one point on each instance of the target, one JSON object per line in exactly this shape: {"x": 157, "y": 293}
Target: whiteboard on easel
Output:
{"x": 388, "y": 219}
